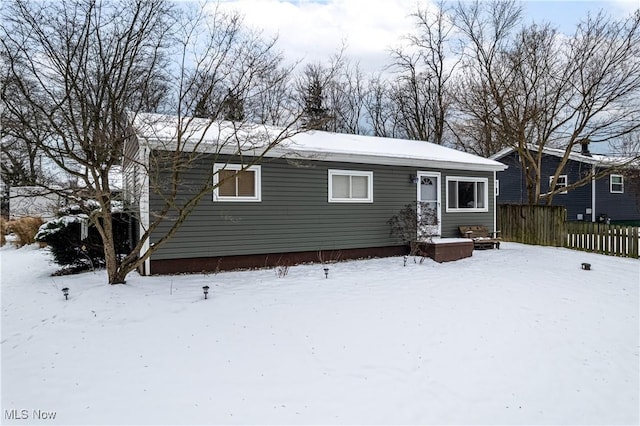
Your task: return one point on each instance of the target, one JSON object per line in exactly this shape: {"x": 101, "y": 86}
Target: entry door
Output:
{"x": 429, "y": 203}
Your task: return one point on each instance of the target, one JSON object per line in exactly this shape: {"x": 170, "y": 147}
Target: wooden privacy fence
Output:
{"x": 540, "y": 225}
{"x": 614, "y": 240}
{"x": 548, "y": 226}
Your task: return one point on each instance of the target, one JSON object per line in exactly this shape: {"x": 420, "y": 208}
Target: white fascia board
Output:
{"x": 203, "y": 147}
{"x": 385, "y": 160}
{"x": 578, "y": 157}
{"x": 503, "y": 152}
{"x": 575, "y": 156}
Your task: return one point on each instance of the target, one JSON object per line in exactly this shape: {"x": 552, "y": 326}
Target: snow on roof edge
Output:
{"x": 595, "y": 159}
{"x": 330, "y": 146}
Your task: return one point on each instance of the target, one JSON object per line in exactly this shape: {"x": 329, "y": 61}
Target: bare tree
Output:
{"x": 421, "y": 88}
{"x": 411, "y": 94}
{"x": 379, "y": 109}
{"x": 79, "y": 66}
{"x": 273, "y": 102}
{"x": 346, "y": 97}
{"x": 545, "y": 92}
{"x": 238, "y": 75}
{"x": 471, "y": 119}
{"x": 96, "y": 67}
{"x": 485, "y": 30}
{"x": 20, "y": 163}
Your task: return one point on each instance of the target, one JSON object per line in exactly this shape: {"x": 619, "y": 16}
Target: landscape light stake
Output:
{"x": 65, "y": 291}
{"x": 206, "y": 290}
{"x": 326, "y": 272}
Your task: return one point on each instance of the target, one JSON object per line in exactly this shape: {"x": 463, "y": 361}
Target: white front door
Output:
{"x": 429, "y": 204}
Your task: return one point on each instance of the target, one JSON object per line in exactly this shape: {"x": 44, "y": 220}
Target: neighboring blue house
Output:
{"x": 606, "y": 199}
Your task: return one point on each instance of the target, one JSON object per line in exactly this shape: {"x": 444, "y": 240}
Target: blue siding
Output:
{"x": 513, "y": 189}
{"x": 577, "y": 200}
{"x": 618, "y": 207}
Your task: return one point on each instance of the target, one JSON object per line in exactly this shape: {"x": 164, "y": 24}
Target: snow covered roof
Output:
{"x": 596, "y": 159}
{"x": 161, "y": 132}
{"x": 377, "y": 150}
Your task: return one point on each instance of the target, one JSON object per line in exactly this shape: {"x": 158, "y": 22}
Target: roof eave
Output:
{"x": 387, "y": 160}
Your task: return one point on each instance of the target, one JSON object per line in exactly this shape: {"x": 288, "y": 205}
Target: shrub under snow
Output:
{"x": 63, "y": 236}
{"x": 72, "y": 247}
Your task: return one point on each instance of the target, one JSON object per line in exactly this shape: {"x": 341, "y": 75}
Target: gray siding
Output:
{"x": 295, "y": 215}
{"x": 452, "y": 220}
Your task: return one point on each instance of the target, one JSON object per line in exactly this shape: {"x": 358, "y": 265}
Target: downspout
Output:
{"x": 593, "y": 193}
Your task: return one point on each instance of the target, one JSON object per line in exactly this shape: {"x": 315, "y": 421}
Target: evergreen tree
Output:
{"x": 233, "y": 107}
{"x": 315, "y": 114}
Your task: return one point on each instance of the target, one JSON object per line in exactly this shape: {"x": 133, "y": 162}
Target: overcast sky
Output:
{"x": 314, "y": 29}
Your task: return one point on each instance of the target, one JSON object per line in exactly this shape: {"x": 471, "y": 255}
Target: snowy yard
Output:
{"x": 520, "y": 335}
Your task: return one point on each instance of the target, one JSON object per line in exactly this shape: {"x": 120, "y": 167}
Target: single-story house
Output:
{"x": 607, "y": 198}
{"x": 315, "y": 196}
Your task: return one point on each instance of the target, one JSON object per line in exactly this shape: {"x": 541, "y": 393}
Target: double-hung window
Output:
{"x": 560, "y": 183}
{"x": 350, "y": 186}
{"x": 616, "y": 184}
{"x": 234, "y": 182}
{"x": 466, "y": 194}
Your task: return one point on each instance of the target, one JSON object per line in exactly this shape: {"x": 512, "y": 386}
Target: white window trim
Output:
{"x": 621, "y": 184}
{"x": 566, "y": 182}
{"x": 497, "y": 187}
{"x": 334, "y": 172}
{"x": 257, "y": 183}
{"x": 467, "y": 179}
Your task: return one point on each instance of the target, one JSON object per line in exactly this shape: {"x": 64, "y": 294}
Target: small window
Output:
{"x": 467, "y": 194}
{"x": 350, "y": 186}
{"x": 561, "y": 183}
{"x": 232, "y": 183}
{"x": 616, "y": 184}
{"x": 497, "y": 187}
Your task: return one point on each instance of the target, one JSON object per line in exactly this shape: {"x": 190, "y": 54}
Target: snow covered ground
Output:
{"x": 520, "y": 335}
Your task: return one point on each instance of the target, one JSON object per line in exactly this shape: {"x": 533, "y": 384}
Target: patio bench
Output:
{"x": 482, "y": 238}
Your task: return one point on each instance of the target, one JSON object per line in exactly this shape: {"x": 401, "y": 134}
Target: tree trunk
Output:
{"x": 114, "y": 272}
{"x": 116, "y": 275}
